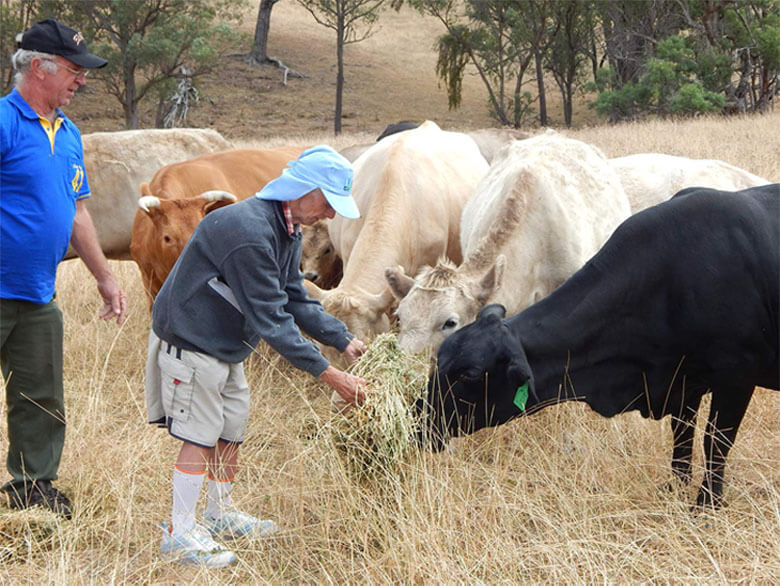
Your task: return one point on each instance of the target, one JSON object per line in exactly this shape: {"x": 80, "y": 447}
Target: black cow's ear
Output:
{"x": 492, "y": 310}
{"x": 519, "y": 374}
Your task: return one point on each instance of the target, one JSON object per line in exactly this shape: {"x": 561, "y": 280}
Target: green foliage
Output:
{"x": 682, "y": 79}
{"x": 148, "y": 42}
{"x": 494, "y": 37}
{"x": 522, "y": 108}
{"x": 767, "y": 38}
{"x": 692, "y": 98}
{"x": 453, "y": 57}
{"x": 619, "y": 104}
{"x": 15, "y": 16}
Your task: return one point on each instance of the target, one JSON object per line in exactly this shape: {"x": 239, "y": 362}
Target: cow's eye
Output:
{"x": 449, "y": 324}
{"x": 471, "y": 373}
{"x": 167, "y": 238}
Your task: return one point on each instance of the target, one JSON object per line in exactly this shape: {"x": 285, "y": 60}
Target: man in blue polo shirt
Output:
{"x": 42, "y": 209}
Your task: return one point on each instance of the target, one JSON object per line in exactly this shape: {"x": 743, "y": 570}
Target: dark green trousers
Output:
{"x": 31, "y": 357}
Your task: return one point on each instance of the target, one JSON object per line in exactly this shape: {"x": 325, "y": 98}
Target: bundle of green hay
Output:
{"x": 376, "y": 439}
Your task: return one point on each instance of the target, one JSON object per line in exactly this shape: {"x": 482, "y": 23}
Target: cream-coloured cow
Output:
{"x": 411, "y": 188}
{"x": 320, "y": 262}
{"x": 118, "y": 162}
{"x": 546, "y": 206}
{"x": 650, "y": 178}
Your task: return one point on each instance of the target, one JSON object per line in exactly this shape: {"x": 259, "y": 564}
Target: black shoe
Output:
{"x": 42, "y": 494}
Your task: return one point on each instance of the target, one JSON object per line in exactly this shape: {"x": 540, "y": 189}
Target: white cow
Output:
{"x": 650, "y": 178}
{"x": 411, "y": 188}
{"x": 118, "y": 162}
{"x": 546, "y": 206}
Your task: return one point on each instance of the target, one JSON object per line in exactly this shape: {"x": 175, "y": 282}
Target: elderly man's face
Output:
{"x": 61, "y": 86}
{"x": 311, "y": 208}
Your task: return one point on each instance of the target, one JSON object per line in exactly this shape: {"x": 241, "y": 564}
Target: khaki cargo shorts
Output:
{"x": 203, "y": 398}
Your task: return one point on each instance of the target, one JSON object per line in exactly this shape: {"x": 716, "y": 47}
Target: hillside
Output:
{"x": 389, "y": 77}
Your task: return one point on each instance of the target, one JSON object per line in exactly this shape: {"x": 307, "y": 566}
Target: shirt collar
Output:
{"x": 291, "y": 228}
{"x": 26, "y": 110}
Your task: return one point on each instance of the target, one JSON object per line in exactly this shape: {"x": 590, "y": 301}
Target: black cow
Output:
{"x": 682, "y": 300}
{"x": 397, "y": 127}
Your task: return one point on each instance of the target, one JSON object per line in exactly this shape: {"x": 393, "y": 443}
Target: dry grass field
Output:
{"x": 565, "y": 496}
{"x": 562, "y": 497}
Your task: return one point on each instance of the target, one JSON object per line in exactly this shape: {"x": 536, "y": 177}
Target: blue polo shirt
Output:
{"x": 41, "y": 178}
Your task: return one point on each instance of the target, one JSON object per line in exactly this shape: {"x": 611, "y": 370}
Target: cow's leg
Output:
{"x": 683, "y": 427}
{"x": 726, "y": 413}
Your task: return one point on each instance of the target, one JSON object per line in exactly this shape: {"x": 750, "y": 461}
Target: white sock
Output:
{"x": 219, "y": 497}
{"x": 186, "y": 488}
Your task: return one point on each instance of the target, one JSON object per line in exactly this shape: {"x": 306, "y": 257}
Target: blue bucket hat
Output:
{"x": 318, "y": 167}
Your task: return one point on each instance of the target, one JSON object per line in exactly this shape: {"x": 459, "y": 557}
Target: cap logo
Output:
{"x": 78, "y": 38}
{"x": 348, "y": 184}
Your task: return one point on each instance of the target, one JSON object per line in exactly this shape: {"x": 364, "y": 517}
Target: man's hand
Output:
{"x": 355, "y": 350}
{"x": 114, "y": 299}
{"x": 351, "y": 388}
{"x": 85, "y": 242}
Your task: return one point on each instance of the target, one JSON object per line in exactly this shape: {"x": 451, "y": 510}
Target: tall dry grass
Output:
{"x": 564, "y": 496}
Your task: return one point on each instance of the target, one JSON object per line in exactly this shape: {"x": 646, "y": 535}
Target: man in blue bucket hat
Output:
{"x": 238, "y": 282}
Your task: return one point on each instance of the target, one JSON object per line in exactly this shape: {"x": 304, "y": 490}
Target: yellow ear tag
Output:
{"x": 521, "y": 396}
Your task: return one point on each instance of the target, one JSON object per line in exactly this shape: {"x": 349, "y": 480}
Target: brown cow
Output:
{"x": 320, "y": 263}
{"x": 179, "y": 195}
{"x": 118, "y": 162}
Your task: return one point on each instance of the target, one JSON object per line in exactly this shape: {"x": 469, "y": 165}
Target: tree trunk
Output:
{"x": 540, "y": 89}
{"x": 340, "y": 75}
{"x": 130, "y": 102}
{"x": 567, "y": 103}
{"x": 259, "y": 51}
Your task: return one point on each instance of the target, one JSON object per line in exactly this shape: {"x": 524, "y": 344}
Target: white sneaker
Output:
{"x": 233, "y": 523}
{"x": 195, "y": 547}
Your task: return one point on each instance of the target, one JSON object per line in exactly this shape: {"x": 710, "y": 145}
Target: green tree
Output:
{"x": 748, "y": 31}
{"x": 629, "y": 31}
{"x": 149, "y": 43}
{"x": 683, "y": 78}
{"x": 15, "y": 17}
{"x": 569, "y": 49}
{"x": 501, "y": 39}
{"x": 725, "y": 56}
{"x": 353, "y": 21}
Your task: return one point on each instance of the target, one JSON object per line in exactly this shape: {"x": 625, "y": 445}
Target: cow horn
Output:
{"x": 314, "y": 292}
{"x": 380, "y": 302}
{"x": 217, "y": 195}
{"x": 148, "y": 201}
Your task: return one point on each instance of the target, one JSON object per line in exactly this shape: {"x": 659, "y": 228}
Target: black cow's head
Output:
{"x": 482, "y": 380}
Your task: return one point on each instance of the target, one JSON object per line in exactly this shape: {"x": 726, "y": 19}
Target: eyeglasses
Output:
{"x": 76, "y": 72}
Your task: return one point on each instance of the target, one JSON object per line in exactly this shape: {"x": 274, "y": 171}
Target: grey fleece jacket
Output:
{"x": 237, "y": 281}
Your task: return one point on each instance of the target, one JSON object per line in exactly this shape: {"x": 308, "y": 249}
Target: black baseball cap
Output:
{"x": 50, "y": 36}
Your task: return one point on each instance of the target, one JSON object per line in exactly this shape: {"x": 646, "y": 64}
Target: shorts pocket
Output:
{"x": 178, "y": 381}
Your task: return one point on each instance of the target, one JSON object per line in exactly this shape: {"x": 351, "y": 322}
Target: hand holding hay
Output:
{"x": 376, "y": 438}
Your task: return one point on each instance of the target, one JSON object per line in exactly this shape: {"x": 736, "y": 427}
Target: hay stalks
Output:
{"x": 375, "y": 441}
